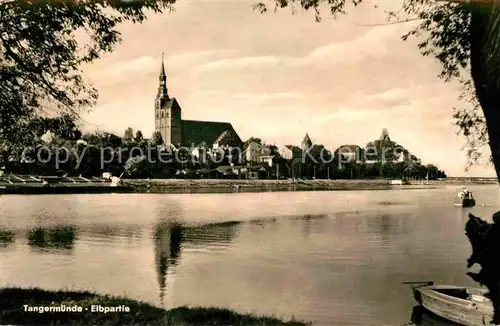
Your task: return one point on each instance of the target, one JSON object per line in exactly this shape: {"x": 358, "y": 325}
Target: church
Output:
{"x": 189, "y": 133}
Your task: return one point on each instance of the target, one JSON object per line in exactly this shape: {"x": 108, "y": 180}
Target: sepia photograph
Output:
{"x": 236, "y": 162}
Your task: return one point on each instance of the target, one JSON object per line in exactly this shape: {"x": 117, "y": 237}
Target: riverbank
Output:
{"x": 244, "y": 185}
{"x": 14, "y": 302}
{"x": 230, "y": 185}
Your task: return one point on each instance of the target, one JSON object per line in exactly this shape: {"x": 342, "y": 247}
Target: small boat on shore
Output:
{"x": 462, "y": 305}
{"x": 465, "y": 202}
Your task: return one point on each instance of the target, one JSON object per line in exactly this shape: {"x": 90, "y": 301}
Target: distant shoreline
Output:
{"x": 243, "y": 185}
{"x": 234, "y": 185}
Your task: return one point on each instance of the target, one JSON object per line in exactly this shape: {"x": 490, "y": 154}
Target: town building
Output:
{"x": 289, "y": 152}
{"x": 258, "y": 153}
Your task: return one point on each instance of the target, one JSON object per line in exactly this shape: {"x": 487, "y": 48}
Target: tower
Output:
{"x": 385, "y": 135}
{"x": 168, "y": 119}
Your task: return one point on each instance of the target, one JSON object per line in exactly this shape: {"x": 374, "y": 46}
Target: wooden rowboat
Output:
{"x": 458, "y": 304}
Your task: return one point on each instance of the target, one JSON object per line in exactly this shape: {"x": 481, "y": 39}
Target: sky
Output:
{"x": 279, "y": 75}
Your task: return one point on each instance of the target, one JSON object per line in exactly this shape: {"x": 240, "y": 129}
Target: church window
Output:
{"x": 167, "y": 114}
{"x": 157, "y": 114}
{"x": 162, "y": 114}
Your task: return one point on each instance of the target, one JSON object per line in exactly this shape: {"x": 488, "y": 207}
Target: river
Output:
{"x": 333, "y": 258}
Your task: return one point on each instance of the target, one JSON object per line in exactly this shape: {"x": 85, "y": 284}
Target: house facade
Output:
{"x": 257, "y": 153}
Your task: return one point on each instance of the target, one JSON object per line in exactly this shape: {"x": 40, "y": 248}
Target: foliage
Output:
{"x": 128, "y": 135}
{"x": 472, "y": 126}
{"x": 41, "y": 61}
{"x": 102, "y": 140}
{"x": 138, "y": 166}
{"x": 252, "y": 139}
{"x": 138, "y": 136}
{"x": 156, "y": 139}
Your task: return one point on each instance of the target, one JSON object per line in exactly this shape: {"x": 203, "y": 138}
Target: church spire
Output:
{"x": 162, "y": 73}
{"x": 162, "y": 89}
{"x": 306, "y": 142}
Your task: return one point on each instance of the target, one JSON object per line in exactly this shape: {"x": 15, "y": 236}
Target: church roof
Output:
{"x": 171, "y": 103}
{"x": 293, "y": 148}
{"x": 195, "y": 132}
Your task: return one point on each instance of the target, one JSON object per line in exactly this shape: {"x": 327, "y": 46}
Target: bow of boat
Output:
{"x": 415, "y": 286}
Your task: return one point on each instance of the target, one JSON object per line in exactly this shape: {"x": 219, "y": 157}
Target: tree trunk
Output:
{"x": 485, "y": 70}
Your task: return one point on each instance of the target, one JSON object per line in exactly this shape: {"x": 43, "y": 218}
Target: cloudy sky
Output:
{"x": 277, "y": 76}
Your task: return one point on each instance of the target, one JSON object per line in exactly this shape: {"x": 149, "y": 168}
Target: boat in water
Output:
{"x": 458, "y": 304}
{"x": 465, "y": 202}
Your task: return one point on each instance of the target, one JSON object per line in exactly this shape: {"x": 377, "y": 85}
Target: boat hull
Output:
{"x": 475, "y": 310}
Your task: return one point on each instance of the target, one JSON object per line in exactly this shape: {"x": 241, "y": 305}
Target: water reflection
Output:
{"x": 422, "y": 317}
{"x": 167, "y": 240}
{"x": 171, "y": 237}
{"x": 385, "y": 226}
{"x": 48, "y": 238}
{"x": 6, "y": 238}
{"x": 307, "y": 221}
{"x": 213, "y": 234}
{"x": 129, "y": 232}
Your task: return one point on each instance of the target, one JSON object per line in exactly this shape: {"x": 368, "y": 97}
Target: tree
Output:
{"x": 138, "y": 136}
{"x": 139, "y": 166}
{"x": 128, "y": 135}
{"x": 40, "y": 59}
{"x": 484, "y": 238}
{"x": 102, "y": 140}
{"x": 156, "y": 139}
{"x": 464, "y": 37}
{"x": 250, "y": 140}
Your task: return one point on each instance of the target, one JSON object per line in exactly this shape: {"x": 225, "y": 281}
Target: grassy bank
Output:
{"x": 14, "y": 301}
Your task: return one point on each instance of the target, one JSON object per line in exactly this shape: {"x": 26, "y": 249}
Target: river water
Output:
{"x": 333, "y": 258}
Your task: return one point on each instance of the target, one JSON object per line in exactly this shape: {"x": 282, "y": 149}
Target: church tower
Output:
{"x": 168, "y": 118}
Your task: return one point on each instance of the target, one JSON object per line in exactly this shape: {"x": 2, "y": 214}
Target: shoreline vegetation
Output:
{"x": 234, "y": 185}
{"x": 14, "y": 302}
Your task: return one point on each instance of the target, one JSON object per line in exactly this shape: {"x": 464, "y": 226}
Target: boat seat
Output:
{"x": 477, "y": 298}
{"x": 457, "y": 293}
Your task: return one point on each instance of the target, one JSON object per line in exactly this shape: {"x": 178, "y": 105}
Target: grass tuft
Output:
{"x": 13, "y": 301}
